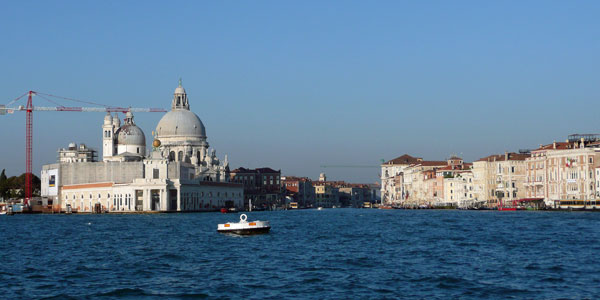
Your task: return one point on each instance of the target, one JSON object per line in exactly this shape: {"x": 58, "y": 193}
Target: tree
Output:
{"x": 3, "y": 185}
{"x": 13, "y": 187}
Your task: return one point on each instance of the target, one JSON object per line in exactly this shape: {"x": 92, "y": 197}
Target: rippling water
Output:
{"x": 332, "y": 253}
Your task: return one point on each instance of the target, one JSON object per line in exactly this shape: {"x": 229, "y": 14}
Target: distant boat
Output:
{"x": 319, "y": 208}
{"x": 500, "y": 208}
{"x": 243, "y": 227}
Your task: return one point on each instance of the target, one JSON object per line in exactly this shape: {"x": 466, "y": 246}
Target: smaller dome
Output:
{"x": 130, "y": 134}
{"x": 179, "y": 90}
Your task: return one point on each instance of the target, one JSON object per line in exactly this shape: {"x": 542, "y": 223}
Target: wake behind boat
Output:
{"x": 243, "y": 227}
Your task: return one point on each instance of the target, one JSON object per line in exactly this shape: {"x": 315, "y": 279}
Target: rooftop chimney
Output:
{"x": 554, "y": 144}
{"x": 505, "y": 155}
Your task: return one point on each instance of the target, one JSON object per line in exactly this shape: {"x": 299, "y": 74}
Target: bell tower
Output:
{"x": 108, "y": 129}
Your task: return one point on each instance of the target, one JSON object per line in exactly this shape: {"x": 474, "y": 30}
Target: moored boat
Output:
{"x": 243, "y": 227}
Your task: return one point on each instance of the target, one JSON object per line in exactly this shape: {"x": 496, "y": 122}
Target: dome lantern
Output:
{"x": 180, "y": 100}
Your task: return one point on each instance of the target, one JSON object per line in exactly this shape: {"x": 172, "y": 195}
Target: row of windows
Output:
{"x": 250, "y": 179}
{"x": 554, "y": 161}
{"x": 209, "y": 194}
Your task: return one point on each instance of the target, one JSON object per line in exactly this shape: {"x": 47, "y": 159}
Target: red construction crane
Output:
{"x": 4, "y": 109}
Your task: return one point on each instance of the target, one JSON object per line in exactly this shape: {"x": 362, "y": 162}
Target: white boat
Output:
{"x": 243, "y": 227}
{"x": 319, "y": 208}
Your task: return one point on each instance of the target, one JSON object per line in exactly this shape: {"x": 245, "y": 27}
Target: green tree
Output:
{"x": 3, "y": 185}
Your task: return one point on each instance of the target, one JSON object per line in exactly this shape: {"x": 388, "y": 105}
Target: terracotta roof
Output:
{"x": 87, "y": 186}
{"x": 404, "y": 160}
{"x": 501, "y": 157}
{"x": 465, "y": 166}
{"x": 559, "y": 146}
{"x": 431, "y": 163}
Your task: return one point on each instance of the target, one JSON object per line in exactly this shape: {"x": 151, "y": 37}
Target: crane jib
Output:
{"x": 4, "y": 110}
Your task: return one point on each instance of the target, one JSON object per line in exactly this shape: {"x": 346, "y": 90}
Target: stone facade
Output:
{"x": 563, "y": 171}
{"x": 500, "y": 177}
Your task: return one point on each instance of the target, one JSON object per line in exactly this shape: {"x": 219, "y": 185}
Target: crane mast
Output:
{"x": 28, "y": 150}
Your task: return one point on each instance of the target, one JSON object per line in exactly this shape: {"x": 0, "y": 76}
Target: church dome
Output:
{"x": 180, "y": 122}
{"x": 130, "y": 134}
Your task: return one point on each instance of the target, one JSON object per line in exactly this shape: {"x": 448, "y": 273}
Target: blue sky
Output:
{"x": 294, "y": 85}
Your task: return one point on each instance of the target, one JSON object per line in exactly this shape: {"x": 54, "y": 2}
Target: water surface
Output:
{"x": 309, "y": 254}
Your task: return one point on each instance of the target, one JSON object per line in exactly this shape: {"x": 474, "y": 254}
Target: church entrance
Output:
{"x": 154, "y": 199}
{"x": 173, "y": 200}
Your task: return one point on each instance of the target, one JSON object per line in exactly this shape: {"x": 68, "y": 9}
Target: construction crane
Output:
{"x": 29, "y": 109}
{"x": 352, "y": 166}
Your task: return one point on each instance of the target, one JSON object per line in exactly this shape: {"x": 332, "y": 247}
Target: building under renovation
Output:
{"x": 179, "y": 173}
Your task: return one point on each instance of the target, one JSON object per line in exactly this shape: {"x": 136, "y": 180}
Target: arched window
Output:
{"x": 171, "y": 156}
{"x": 180, "y": 156}
{"x": 198, "y": 156}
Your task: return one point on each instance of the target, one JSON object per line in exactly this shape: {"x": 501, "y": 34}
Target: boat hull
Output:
{"x": 246, "y": 231}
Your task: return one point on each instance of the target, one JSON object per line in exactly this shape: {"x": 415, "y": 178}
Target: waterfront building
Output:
{"x": 326, "y": 195}
{"x": 392, "y": 177}
{"x": 458, "y": 190}
{"x": 500, "y": 177}
{"x": 412, "y": 181}
{"x": 375, "y": 192}
{"x": 537, "y": 177}
{"x": 180, "y": 173}
{"x": 262, "y": 186}
{"x": 300, "y": 190}
{"x": 355, "y": 194}
{"x": 566, "y": 174}
{"x": 570, "y": 173}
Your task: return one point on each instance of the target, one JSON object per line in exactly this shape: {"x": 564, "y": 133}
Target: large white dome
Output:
{"x": 180, "y": 123}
